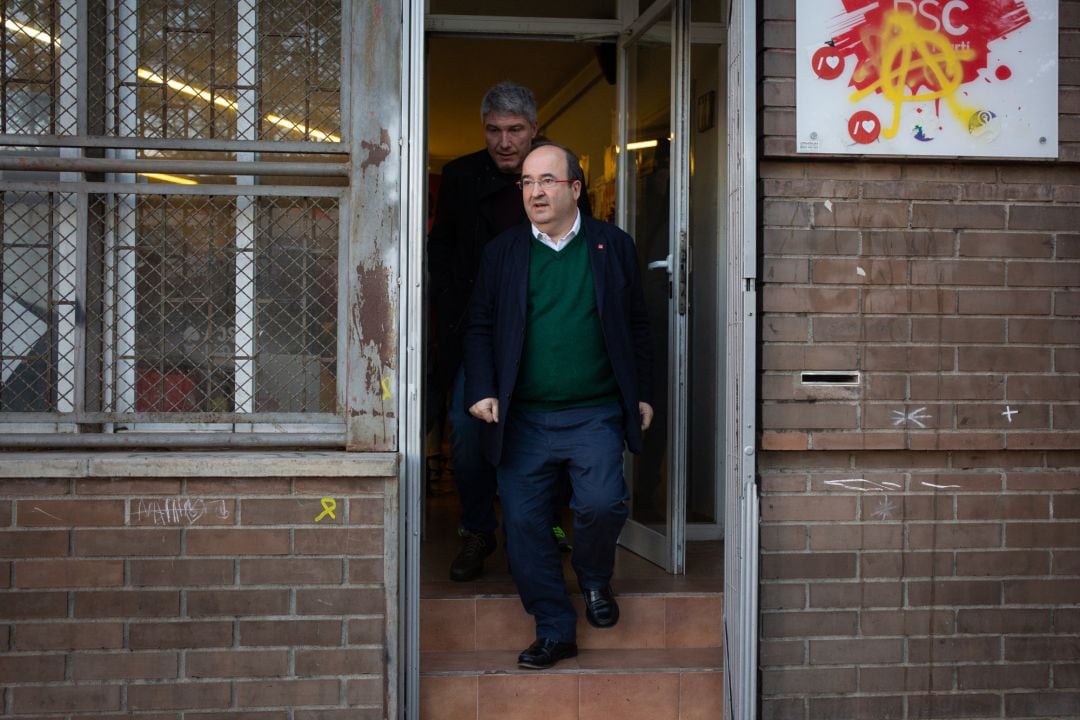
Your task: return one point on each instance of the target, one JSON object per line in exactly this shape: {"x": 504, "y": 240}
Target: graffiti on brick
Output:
{"x": 328, "y": 506}
{"x": 177, "y": 511}
{"x": 916, "y": 416}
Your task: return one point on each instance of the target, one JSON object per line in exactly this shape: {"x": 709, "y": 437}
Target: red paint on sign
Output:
{"x": 969, "y": 25}
{"x": 864, "y": 127}
{"x": 1003, "y": 72}
{"x": 827, "y": 63}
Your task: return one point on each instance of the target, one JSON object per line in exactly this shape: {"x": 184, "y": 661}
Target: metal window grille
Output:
{"x": 139, "y": 299}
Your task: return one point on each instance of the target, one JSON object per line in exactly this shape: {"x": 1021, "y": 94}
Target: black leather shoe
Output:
{"x": 544, "y": 653}
{"x": 469, "y": 563}
{"x": 601, "y": 610}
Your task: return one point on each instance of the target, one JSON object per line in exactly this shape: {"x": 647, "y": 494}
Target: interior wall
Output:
{"x": 588, "y": 127}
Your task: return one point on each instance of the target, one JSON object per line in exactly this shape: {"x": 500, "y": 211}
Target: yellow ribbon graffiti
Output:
{"x": 386, "y": 388}
{"x": 908, "y": 51}
{"x": 329, "y": 505}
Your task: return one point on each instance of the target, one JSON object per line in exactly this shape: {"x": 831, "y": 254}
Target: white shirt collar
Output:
{"x": 562, "y": 242}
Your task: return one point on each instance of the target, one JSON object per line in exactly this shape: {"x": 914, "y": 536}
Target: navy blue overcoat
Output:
{"x": 495, "y": 326}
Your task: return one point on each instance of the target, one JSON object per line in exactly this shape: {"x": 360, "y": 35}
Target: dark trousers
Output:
{"x": 588, "y": 444}
{"x": 473, "y": 474}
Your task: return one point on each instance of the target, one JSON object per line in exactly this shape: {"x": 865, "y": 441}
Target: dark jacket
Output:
{"x": 495, "y": 332}
{"x": 465, "y": 220}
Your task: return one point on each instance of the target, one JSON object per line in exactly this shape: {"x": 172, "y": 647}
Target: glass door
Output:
{"x": 653, "y": 207}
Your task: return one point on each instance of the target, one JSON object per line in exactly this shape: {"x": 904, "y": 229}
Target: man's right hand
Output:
{"x": 486, "y": 410}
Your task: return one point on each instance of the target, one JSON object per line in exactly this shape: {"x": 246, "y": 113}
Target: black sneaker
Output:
{"x": 469, "y": 563}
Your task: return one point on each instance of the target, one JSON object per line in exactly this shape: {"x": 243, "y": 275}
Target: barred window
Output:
{"x": 138, "y": 300}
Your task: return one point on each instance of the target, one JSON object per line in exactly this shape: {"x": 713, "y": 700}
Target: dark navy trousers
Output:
{"x": 588, "y": 444}
{"x": 473, "y": 474}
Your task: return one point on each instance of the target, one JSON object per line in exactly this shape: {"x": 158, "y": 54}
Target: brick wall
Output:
{"x": 212, "y": 597}
{"x": 921, "y": 528}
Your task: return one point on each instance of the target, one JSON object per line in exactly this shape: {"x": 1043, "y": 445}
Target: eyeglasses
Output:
{"x": 546, "y": 183}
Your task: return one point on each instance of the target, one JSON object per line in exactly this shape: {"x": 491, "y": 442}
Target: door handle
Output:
{"x": 664, "y": 264}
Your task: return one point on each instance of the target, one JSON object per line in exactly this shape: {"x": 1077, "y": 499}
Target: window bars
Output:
{"x": 158, "y": 273}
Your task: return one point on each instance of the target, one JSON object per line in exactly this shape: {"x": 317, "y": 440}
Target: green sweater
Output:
{"x": 565, "y": 362}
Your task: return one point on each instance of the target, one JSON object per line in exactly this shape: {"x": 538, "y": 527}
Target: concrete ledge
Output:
{"x": 316, "y": 463}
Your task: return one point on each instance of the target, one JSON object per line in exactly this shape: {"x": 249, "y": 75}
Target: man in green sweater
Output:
{"x": 557, "y": 363}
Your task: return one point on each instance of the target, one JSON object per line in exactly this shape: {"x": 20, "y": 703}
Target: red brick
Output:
{"x": 69, "y": 513}
{"x": 785, "y": 213}
{"x": 314, "y": 663}
{"x": 937, "y": 483}
{"x": 181, "y": 573}
{"x": 19, "y": 487}
{"x": 1044, "y": 704}
{"x": 1067, "y": 506}
{"x": 291, "y": 693}
{"x": 785, "y": 441}
{"x": 209, "y": 603}
{"x": 999, "y": 563}
{"x": 1042, "y": 592}
{"x": 366, "y": 510}
{"x": 907, "y": 301}
{"x": 1002, "y": 507}
{"x": 873, "y": 651}
{"x": 817, "y": 242}
{"x": 957, "y": 387}
{"x": 340, "y": 601}
{"x": 957, "y": 441}
{"x": 1010, "y": 621}
{"x": 1044, "y": 331}
{"x": 290, "y": 632}
{"x": 127, "y": 603}
{"x": 60, "y": 699}
{"x": 33, "y": 543}
{"x": 1008, "y": 193}
{"x": 33, "y": 605}
{"x": 906, "y": 507}
{"x": 857, "y": 440}
{"x": 771, "y": 484}
{"x": 785, "y": 270}
{"x": 1044, "y": 217}
{"x": 987, "y": 358}
{"x": 808, "y": 681}
{"x": 181, "y": 696}
{"x": 782, "y": 299}
{"x": 291, "y": 571}
{"x": 888, "y": 358}
{"x": 240, "y": 486}
{"x": 807, "y": 508}
{"x": 366, "y": 691}
{"x": 1042, "y": 387}
{"x": 861, "y": 214}
{"x": 32, "y": 668}
{"x": 861, "y": 329}
{"x": 235, "y": 542}
{"x": 1042, "y": 535}
{"x": 783, "y": 596}
{"x": 69, "y": 636}
{"x": 856, "y": 537}
{"x": 960, "y": 535}
{"x": 957, "y": 272}
{"x": 1067, "y": 676}
{"x": 366, "y": 571}
{"x": 808, "y": 623}
{"x": 1003, "y": 302}
{"x": 781, "y": 652}
{"x": 127, "y": 542}
{"x": 954, "y": 649}
{"x": 128, "y": 486}
{"x": 68, "y": 573}
{"x": 909, "y": 678}
{"x": 779, "y": 329}
{"x": 885, "y": 387}
{"x": 237, "y": 664}
{"x": 1034, "y": 648}
{"x": 783, "y": 537}
{"x": 1066, "y": 562}
{"x": 1067, "y": 417}
{"x": 178, "y": 511}
{"x": 1040, "y": 480}
{"x": 910, "y": 623}
{"x": 957, "y": 216}
{"x": 161, "y": 635}
{"x": 784, "y": 708}
{"x": 351, "y": 541}
{"x": 293, "y": 511}
{"x": 856, "y": 595}
{"x": 366, "y": 631}
{"x": 1006, "y": 245}
{"x": 1050, "y": 440}
{"x": 124, "y": 666}
{"x": 943, "y": 593}
{"x": 958, "y": 330}
{"x": 947, "y": 705}
{"x": 808, "y": 565}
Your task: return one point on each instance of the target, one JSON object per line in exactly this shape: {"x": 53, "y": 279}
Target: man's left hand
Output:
{"x": 645, "y": 409}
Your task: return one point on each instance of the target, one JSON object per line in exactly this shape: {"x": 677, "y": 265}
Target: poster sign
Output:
{"x": 958, "y": 78}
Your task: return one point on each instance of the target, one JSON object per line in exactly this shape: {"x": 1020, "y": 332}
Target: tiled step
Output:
{"x": 498, "y": 622}
{"x": 614, "y": 684}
